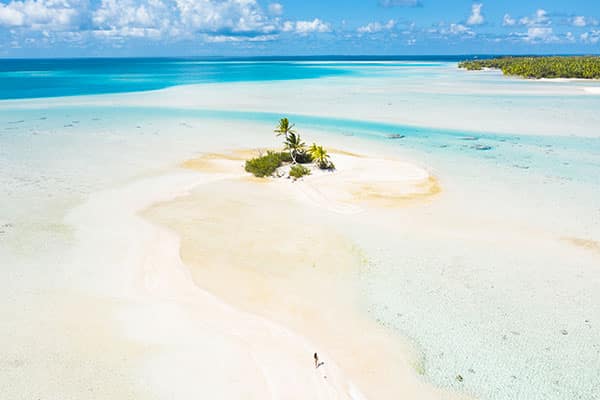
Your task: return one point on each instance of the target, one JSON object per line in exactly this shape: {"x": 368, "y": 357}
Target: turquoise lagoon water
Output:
{"x": 20, "y": 79}
{"x": 563, "y": 157}
{"x": 482, "y": 311}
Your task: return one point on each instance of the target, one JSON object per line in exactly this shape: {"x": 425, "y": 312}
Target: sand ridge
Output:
{"x": 273, "y": 250}
{"x": 359, "y": 180}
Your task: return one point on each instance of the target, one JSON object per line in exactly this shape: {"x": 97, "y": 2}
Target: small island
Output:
{"x": 569, "y": 67}
{"x": 295, "y": 157}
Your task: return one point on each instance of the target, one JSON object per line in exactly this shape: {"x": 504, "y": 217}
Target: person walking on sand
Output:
{"x": 316, "y": 360}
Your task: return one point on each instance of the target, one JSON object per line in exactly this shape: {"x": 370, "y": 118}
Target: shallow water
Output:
{"x": 35, "y": 78}
{"x": 481, "y": 279}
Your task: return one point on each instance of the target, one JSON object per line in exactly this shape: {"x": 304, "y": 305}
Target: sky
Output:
{"x": 84, "y": 28}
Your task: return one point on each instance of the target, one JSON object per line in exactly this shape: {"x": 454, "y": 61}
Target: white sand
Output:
{"x": 142, "y": 327}
{"x": 178, "y": 340}
{"x": 291, "y": 267}
{"x": 189, "y": 343}
{"x": 361, "y": 181}
{"x": 592, "y": 90}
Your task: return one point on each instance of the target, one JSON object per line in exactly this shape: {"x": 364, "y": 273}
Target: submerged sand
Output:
{"x": 271, "y": 248}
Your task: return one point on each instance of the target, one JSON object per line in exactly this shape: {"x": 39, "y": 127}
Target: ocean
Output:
{"x": 31, "y": 78}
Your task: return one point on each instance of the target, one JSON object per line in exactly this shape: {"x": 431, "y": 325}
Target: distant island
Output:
{"x": 580, "y": 67}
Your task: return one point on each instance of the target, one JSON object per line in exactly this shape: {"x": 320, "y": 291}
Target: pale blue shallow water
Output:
{"x": 569, "y": 158}
{"x": 452, "y": 301}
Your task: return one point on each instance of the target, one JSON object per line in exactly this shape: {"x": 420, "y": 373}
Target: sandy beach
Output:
{"x": 291, "y": 266}
{"x": 431, "y": 264}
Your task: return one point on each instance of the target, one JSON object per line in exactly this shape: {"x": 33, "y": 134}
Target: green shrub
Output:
{"x": 285, "y": 157}
{"x": 265, "y": 165}
{"x": 303, "y": 158}
{"x": 298, "y": 171}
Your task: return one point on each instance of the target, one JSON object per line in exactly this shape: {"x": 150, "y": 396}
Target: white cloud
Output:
{"x": 452, "y": 30}
{"x": 579, "y": 21}
{"x": 591, "y": 37}
{"x": 43, "y": 14}
{"x": 540, "y": 34}
{"x": 539, "y": 28}
{"x": 457, "y": 29}
{"x": 476, "y": 18}
{"x": 9, "y": 16}
{"x": 508, "y": 20}
{"x": 223, "y": 17}
{"x": 131, "y": 18}
{"x": 306, "y": 27}
{"x": 207, "y": 20}
{"x": 225, "y": 38}
{"x": 375, "y": 27}
{"x": 400, "y": 3}
{"x": 540, "y": 18}
{"x": 570, "y": 37}
{"x": 275, "y": 9}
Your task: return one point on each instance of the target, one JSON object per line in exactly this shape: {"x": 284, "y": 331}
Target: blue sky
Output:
{"x": 46, "y": 28}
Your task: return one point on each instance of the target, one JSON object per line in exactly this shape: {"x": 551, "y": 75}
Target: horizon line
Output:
{"x": 315, "y": 56}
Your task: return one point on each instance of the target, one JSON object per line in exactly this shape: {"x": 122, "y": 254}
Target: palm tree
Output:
{"x": 294, "y": 145}
{"x": 320, "y": 156}
{"x": 284, "y": 128}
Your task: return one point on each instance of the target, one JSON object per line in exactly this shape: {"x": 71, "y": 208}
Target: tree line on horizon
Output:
{"x": 538, "y": 67}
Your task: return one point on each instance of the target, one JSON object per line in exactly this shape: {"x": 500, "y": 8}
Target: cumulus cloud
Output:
{"x": 9, "y": 16}
{"x": 459, "y": 29}
{"x": 539, "y": 28}
{"x": 209, "y": 20}
{"x": 131, "y": 18}
{"x": 306, "y": 27}
{"x": 375, "y": 27}
{"x": 579, "y": 21}
{"x": 508, "y": 20}
{"x": 539, "y": 18}
{"x": 570, "y": 37}
{"x": 400, "y": 3}
{"x": 228, "y": 17}
{"x": 275, "y": 9}
{"x": 540, "y": 34}
{"x": 43, "y": 14}
{"x": 592, "y": 37}
{"x": 451, "y": 30}
{"x": 225, "y": 38}
{"x": 476, "y": 17}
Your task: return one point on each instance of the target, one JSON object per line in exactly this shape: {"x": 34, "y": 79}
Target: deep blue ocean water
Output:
{"x": 33, "y": 78}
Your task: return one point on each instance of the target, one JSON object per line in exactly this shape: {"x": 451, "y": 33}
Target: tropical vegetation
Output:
{"x": 298, "y": 171}
{"x": 295, "y": 153}
{"x": 294, "y": 145}
{"x": 265, "y": 165}
{"x": 320, "y": 157}
{"x": 284, "y": 127}
{"x": 582, "y": 67}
